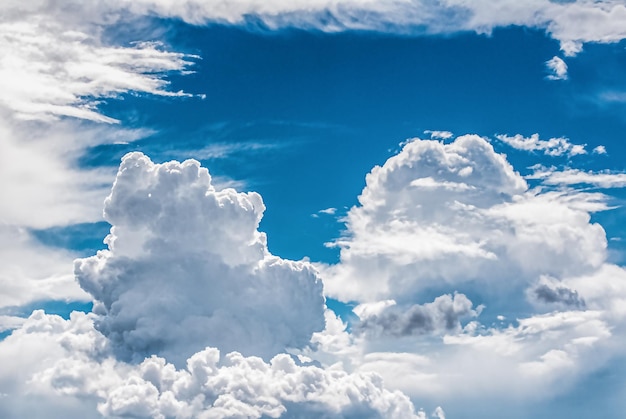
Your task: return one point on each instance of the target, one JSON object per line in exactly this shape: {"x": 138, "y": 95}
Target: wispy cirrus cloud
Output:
{"x": 552, "y": 176}
{"x": 573, "y": 23}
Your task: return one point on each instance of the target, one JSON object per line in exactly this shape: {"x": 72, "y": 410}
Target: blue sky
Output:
{"x": 430, "y": 193}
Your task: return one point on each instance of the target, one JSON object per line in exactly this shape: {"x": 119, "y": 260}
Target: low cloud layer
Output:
{"x": 187, "y": 268}
{"x": 71, "y": 370}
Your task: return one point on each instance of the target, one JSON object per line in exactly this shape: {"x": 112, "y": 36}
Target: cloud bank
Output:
{"x": 572, "y": 23}
{"x": 72, "y": 371}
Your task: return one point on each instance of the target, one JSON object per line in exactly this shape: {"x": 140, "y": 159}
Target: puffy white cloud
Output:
{"x": 520, "y": 361}
{"x": 603, "y": 290}
{"x": 553, "y": 147}
{"x": 457, "y": 216}
{"x": 557, "y": 68}
{"x": 446, "y": 214}
{"x": 599, "y": 150}
{"x": 187, "y": 268}
{"x": 67, "y": 365}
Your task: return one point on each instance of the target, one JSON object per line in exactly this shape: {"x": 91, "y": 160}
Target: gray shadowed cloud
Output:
{"x": 549, "y": 293}
{"x": 444, "y": 314}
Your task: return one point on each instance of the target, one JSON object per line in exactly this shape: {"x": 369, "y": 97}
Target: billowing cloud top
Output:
{"x": 441, "y": 213}
{"x": 186, "y": 268}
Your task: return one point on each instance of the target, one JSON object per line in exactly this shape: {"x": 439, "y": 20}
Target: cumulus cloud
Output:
{"x": 553, "y": 147}
{"x": 70, "y": 361}
{"x": 187, "y": 268}
{"x": 443, "y": 315}
{"x": 557, "y": 68}
{"x": 447, "y": 216}
{"x": 457, "y": 213}
{"x": 599, "y": 150}
{"x": 522, "y": 360}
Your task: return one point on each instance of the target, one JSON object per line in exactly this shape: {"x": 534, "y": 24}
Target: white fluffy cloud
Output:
{"x": 455, "y": 213}
{"x": 553, "y": 147}
{"x": 522, "y": 360}
{"x": 443, "y": 216}
{"x": 67, "y": 365}
{"x": 187, "y": 268}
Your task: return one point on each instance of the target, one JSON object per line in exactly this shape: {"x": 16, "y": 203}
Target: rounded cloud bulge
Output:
{"x": 451, "y": 213}
{"x": 187, "y": 268}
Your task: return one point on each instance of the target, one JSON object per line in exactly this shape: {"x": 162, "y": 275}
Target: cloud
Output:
{"x": 54, "y": 71}
{"x": 551, "y": 176}
{"x": 522, "y": 361}
{"x": 557, "y": 68}
{"x": 68, "y": 366}
{"x": 553, "y": 147}
{"x": 443, "y": 215}
{"x": 599, "y": 150}
{"x": 31, "y": 271}
{"x": 328, "y": 211}
{"x": 440, "y": 135}
{"x": 10, "y": 323}
{"x": 571, "y": 23}
{"x": 442, "y": 315}
{"x": 187, "y": 268}
{"x": 549, "y": 291}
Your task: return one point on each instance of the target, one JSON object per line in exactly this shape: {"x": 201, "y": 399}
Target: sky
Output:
{"x": 312, "y": 209}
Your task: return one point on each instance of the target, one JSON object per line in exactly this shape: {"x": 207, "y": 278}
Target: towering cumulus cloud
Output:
{"x": 440, "y": 215}
{"x": 186, "y": 268}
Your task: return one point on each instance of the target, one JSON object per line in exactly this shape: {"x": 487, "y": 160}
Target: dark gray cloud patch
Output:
{"x": 443, "y": 315}
{"x": 558, "y": 294}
